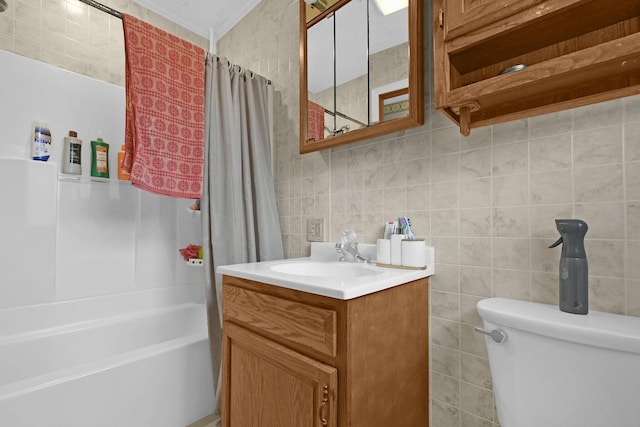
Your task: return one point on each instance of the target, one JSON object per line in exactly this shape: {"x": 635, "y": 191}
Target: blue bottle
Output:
{"x": 41, "y": 146}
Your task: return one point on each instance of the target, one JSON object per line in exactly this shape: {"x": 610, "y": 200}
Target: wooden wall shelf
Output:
{"x": 577, "y": 52}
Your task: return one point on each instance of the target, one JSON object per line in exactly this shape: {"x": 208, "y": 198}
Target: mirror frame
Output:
{"x": 416, "y": 85}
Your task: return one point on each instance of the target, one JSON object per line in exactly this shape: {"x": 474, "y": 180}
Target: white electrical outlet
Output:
{"x": 315, "y": 230}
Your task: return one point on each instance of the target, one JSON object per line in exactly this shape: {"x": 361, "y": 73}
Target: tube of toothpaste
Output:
{"x": 390, "y": 228}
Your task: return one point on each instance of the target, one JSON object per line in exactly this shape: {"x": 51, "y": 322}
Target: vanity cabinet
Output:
{"x": 576, "y": 52}
{"x": 295, "y": 359}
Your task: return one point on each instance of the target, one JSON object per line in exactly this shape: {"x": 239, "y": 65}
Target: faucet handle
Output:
{"x": 349, "y": 236}
{"x": 340, "y": 250}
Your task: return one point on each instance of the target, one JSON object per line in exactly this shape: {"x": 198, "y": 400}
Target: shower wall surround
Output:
{"x": 65, "y": 239}
{"x": 108, "y": 238}
{"x": 487, "y": 203}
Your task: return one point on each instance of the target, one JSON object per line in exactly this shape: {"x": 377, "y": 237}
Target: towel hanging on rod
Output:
{"x": 164, "y": 138}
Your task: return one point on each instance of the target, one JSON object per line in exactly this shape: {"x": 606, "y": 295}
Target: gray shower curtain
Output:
{"x": 239, "y": 213}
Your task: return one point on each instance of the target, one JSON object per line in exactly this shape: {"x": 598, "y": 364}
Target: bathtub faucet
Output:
{"x": 349, "y": 248}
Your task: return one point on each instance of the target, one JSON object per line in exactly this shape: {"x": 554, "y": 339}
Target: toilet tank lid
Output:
{"x": 606, "y": 330}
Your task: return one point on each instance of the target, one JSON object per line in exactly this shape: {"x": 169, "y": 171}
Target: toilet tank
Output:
{"x": 557, "y": 369}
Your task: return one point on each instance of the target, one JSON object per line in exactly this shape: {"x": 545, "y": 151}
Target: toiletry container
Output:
{"x": 414, "y": 253}
{"x": 122, "y": 174}
{"x": 396, "y": 248}
{"x": 573, "y": 271}
{"x": 383, "y": 251}
{"x": 41, "y": 144}
{"x": 72, "y": 159}
{"x": 100, "y": 158}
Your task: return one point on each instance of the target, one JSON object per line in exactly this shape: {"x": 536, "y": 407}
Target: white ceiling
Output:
{"x": 201, "y": 16}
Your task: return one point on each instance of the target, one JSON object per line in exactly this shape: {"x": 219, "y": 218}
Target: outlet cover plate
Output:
{"x": 315, "y": 230}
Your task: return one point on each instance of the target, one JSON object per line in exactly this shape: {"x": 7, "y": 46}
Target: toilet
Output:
{"x": 555, "y": 369}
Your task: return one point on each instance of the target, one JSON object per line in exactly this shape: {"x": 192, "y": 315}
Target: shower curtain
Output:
{"x": 239, "y": 213}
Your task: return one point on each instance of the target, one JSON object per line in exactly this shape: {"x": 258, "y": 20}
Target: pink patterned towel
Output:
{"x": 164, "y": 137}
{"x": 315, "y": 121}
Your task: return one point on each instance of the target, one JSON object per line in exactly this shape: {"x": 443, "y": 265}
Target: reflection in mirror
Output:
{"x": 381, "y": 94}
{"x": 315, "y": 8}
{"x": 337, "y": 71}
{"x": 351, "y": 65}
{"x": 321, "y": 79}
{"x": 354, "y": 58}
{"x": 393, "y": 105}
{"x": 389, "y": 59}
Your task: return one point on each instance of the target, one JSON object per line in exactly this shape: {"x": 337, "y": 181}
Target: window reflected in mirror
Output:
{"x": 393, "y": 105}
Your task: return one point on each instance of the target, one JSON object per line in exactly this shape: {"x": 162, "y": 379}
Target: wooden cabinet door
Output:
{"x": 462, "y": 16}
{"x": 268, "y": 385}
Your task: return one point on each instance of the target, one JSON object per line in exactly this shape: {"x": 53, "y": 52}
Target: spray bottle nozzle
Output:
{"x": 556, "y": 243}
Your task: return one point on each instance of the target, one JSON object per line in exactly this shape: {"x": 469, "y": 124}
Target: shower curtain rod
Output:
{"x": 242, "y": 71}
{"x": 103, "y": 8}
{"x": 118, "y": 15}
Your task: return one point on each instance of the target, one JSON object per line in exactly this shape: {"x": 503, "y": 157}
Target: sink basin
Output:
{"x": 325, "y": 269}
{"x": 322, "y": 273}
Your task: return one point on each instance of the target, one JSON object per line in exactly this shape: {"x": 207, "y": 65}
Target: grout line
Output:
{"x": 625, "y": 231}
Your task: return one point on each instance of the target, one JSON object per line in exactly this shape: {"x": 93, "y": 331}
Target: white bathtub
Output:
{"x": 137, "y": 359}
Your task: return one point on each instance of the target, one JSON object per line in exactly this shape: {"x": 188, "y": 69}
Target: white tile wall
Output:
{"x": 27, "y": 232}
{"x": 95, "y": 245}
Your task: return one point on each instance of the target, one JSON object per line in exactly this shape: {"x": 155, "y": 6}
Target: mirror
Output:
{"x": 361, "y": 72}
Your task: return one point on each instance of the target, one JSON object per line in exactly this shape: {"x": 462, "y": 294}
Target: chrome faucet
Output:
{"x": 349, "y": 248}
{"x": 334, "y": 132}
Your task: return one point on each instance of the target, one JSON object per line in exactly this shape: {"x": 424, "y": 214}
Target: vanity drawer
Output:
{"x": 288, "y": 321}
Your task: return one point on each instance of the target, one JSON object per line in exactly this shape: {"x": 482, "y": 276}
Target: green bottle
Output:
{"x": 100, "y": 158}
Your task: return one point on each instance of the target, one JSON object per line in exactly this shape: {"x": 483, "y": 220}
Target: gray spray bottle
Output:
{"x": 574, "y": 272}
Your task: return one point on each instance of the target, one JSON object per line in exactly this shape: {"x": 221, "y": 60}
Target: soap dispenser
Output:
{"x": 574, "y": 272}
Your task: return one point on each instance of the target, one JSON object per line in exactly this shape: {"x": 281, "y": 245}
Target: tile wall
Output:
{"x": 77, "y": 37}
{"x": 487, "y": 203}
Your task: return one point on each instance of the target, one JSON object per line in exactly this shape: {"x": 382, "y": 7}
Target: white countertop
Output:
{"x": 357, "y": 280}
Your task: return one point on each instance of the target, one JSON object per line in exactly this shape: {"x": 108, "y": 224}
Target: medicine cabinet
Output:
{"x": 361, "y": 71}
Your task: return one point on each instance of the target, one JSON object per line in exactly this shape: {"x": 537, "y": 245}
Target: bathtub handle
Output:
{"x": 498, "y": 335}
{"x": 324, "y": 405}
